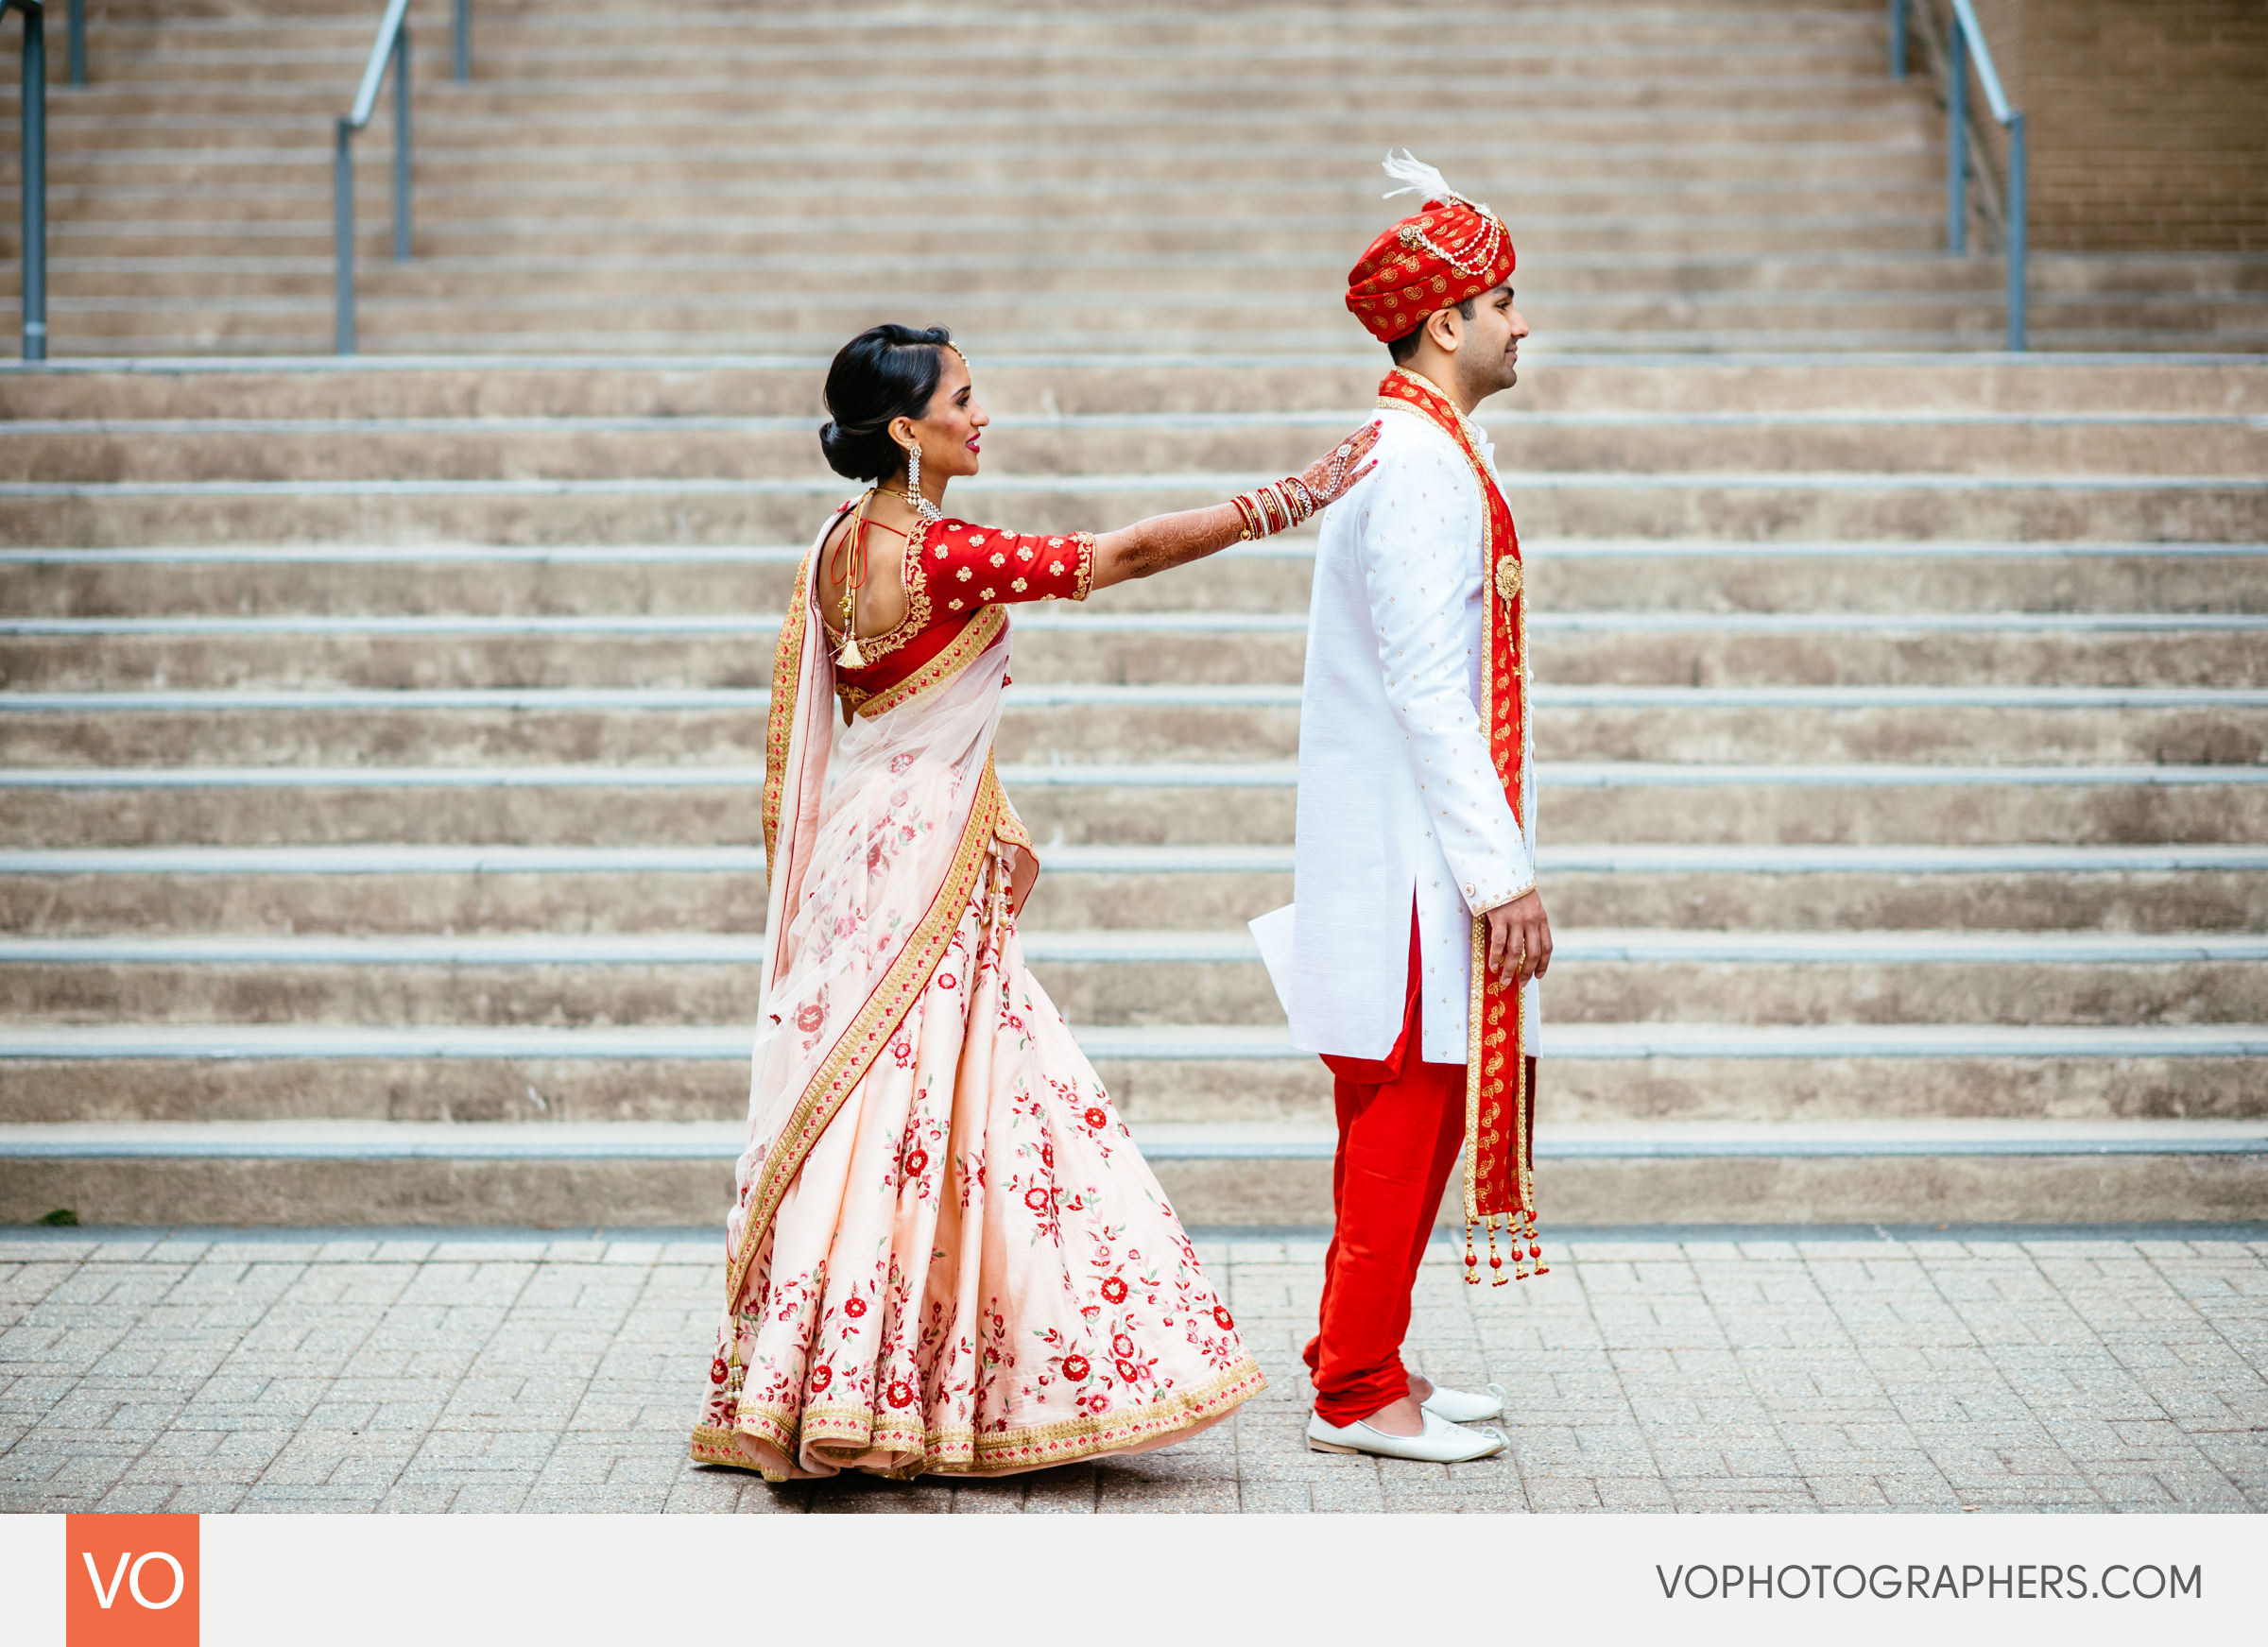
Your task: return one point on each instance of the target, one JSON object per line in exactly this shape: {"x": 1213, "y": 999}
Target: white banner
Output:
{"x": 383, "y": 1580}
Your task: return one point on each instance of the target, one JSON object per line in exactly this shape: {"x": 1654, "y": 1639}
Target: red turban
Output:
{"x": 1451, "y": 250}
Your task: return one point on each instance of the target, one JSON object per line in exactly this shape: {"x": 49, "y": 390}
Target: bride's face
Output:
{"x": 953, "y": 432}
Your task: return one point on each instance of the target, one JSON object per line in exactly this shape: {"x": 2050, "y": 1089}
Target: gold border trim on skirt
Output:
{"x": 959, "y": 1449}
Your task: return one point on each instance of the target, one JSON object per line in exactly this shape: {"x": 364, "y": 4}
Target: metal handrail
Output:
{"x": 1965, "y": 45}
{"x": 33, "y": 309}
{"x": 391, "y": 49}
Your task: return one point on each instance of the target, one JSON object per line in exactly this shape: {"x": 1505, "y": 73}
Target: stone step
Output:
{"x": 512, "y": 50}
{"x": 1963, "y": 725}
{"x": 262, "y": 1073}
{"x": 1263, "y": 1049}
{"x": 1093, "y": 382}
{"x": 1075, "y": 179}
{"x": 276, "y": 170}
{"x": 1838, "y": 92}
{"x": 1087, "y": 157}
{"x": 2076, "y": 1076}
{"x": 1166, "y": 130}
{"x": 76, "y": 450}
{"x": 1203, "y": 805}
{"x": 454, "y": 217}
{"x": 292, "y": 55}
{"x": 1568, "y": 575}
{"x": 988, "y": 47}
{"x": 1195, "y": 266}
{"x": 228, "y": 335}
{"x": 657, "y": 16}
{"x": 1132, "y": 319}
{"x": 318, "y": 654}
{"x": 1765, "y": 506}
{"x": 1282, "y": 38}
{"x": 643, "y": 27}
{"x": 645, "y": 20}
{"x": 272, "y": 168}
{"x": 1086, "y": 207}
{"x": 300, "y": 338}
{"x": 1126, "y": 319}
{"x": 1120, "y": 978}
{"x": 293, "y": 229}
{"x": 1815, "y": 276}
{"x": 456, "y": 888}
{"x": 653, "y": 1175}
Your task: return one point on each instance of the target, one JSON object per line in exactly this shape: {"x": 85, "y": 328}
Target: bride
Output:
{"x": 945, "y": 1254}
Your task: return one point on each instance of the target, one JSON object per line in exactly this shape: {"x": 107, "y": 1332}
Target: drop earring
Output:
{"x": 915, "y": 501}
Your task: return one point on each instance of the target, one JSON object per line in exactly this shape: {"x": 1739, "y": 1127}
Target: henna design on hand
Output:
{"x": 1163, "y": 541}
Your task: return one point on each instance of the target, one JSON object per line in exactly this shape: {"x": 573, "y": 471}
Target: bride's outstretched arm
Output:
{"x": 1167, "y": 541}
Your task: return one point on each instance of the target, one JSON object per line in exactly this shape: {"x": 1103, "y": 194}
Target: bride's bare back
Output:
{"x": 881, "y": 588}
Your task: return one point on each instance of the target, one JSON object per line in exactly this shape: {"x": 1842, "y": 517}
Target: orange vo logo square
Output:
{"x": 131, "y": 1580}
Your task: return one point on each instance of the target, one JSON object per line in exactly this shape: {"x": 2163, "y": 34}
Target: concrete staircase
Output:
{"x": 383, "y": 747}
{"x": 381, "y": 741}
{"x": 657, "y": 177}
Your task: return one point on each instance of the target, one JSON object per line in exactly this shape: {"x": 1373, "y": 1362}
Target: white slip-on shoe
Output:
{"x": 1463, "y": 1407}
{"x": 1441, "y": 1443}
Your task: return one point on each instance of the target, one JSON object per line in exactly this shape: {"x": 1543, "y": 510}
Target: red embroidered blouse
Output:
{"x": 953, "y": 570}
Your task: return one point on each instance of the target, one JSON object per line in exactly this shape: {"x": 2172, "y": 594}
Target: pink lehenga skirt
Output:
{"x": 945, "y": 1254}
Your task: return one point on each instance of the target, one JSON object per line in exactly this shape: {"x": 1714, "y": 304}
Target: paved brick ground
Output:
{"x": 1653, "y": 1370}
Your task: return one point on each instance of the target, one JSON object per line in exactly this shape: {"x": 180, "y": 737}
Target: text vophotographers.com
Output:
{"x": 1917, "y": 1581}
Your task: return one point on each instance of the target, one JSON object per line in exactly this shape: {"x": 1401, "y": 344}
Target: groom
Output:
{"x": 1419, "y": 926}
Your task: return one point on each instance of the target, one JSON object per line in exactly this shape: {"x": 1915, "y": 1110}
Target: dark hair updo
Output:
{"x": 884, "y": 372}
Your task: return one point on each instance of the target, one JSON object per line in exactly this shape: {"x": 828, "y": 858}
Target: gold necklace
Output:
{"x": 916, "y": 501}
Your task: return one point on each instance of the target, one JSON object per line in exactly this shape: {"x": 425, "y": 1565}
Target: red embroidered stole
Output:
{"x": 1500, "y": 1096}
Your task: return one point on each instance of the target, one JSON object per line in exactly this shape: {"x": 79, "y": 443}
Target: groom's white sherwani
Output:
{"x": 1398, "y": 802}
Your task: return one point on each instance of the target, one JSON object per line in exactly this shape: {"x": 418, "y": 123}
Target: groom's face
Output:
{"x": 1487, "y": 352}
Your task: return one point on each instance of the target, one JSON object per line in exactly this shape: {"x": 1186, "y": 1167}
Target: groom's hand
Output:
{"x": 1519, "y": 938}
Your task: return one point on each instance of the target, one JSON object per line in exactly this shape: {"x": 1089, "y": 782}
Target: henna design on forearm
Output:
{"x": 1163, "y": 541}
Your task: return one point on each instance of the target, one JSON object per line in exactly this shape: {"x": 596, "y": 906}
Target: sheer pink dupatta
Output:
{"x": 875, "y": 836}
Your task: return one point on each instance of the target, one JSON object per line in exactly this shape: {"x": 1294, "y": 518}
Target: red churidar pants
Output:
{"x": 1401, "y": 1124}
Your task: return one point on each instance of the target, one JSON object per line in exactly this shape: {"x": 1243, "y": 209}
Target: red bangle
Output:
{"x": 1248, "y": 515}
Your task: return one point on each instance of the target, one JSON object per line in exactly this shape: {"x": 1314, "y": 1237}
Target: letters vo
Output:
{"x": 131, "y": 1580}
